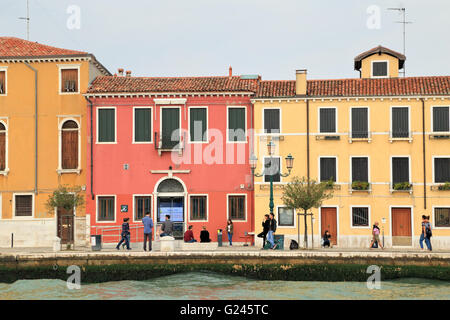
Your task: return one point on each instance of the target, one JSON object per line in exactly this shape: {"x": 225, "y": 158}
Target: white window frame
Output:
{"x": 207, "y": 207}
{"x": 337, "y": 168}
{"x": 387, "y": 69}
{"x": 65, "y": 67}
{"x": 412, "y": 224}
{"x": 160, "y": 121}
{"x": 32, "y": 205}
{"x": 434, "y": 219}
{"x": 391, "y": 129}
{"x": 351, "y": 122}
{"x": 97, "y": 127}
{"x": 60, "y": 170}
{"x": 207, "y": 123}
{"x": 280, "y": 122}
{"x": 5, "y": 68}
{"x": 368, "y": 168}
{"x": 263, "y": 167}
{"x": 134, "y": 205}
{"x": 335, "y": 119}
{"x": 278, "y": 217}
{"x": 432, "y": 166}
{"x": 246, "y": 203}
{"x": 97, "y": 211}
{"x": 4, "y": 121}
{"x": 227, "y": 128}
{"x": 432, "y": 116}
{"x": 368, "y": 217}
{"x": 391, "y": 183}
{"x": 134, "y": 125}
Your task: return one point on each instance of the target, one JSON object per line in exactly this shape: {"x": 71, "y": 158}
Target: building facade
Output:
{"x": 42, "y": 144}
{"x": 384, "y": 140}
{"x": 170, "y": 146}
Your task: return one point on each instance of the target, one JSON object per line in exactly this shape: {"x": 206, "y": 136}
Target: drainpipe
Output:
{"x": 424, "y": 156}
{"x": 35, "y": 127}
{"x": 307, "y": 140}
{"x": 92, "y": 150}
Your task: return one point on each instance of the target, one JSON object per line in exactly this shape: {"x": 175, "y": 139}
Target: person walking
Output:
{"x": 266, "y": 226}
{"x": 148, "y": 226}
{"x": 426, "y": 232}
{"x": 375, "y": 236}
{"x": 125, "y": 234}
{"x": 272, "y": 229}
{"x": 230, "y": 231}
{"x": 166, "y": 227}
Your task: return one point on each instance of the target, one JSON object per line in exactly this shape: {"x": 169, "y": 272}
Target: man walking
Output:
{"x": 166, "y": 227}
{"x": 148, "y": 226}
{"x": 272, "y": 229}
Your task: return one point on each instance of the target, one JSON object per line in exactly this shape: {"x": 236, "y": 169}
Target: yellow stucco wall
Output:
{"x": 366, "y": 65}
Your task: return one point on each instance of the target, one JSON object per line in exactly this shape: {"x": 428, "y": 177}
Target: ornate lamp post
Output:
{"x": 289, "y": 165}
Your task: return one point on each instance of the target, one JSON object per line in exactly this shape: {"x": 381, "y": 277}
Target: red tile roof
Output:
{"x": 122, "y": 84}
{"x": 16, "y": 48}
{"x": 439, "y": 85}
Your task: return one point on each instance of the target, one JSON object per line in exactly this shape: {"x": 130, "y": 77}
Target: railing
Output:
{"x": 112, "y": 234}
{"x": 165, "y": 143}
{"x": 359, "y": 136}
{"x": 400, "y": 136}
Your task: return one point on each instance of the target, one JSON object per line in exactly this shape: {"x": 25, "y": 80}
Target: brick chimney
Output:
{"x": 120, "y": 70}
{"x": 300, "y": 82}
{"x": 230, "y": 72}
{"x": 128, "y": 73}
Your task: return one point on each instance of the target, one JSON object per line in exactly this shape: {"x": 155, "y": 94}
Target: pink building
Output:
{"x": 176, "y": 146}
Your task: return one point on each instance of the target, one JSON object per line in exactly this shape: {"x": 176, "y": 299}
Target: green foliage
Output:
{"x": 445, "y": 186}
{"x": 360, "y": 185}
{"x": 65, "y": 197}
{"x": 299, "y": 194}
{"x": 402, "y": 186}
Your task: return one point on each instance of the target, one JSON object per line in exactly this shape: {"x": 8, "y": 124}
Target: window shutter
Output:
{"x": 69, "y": 149}
{"x": 105, "y": 208}
{"x": 197, "y": 115}
{"x": 327, "y": 169}
{"x": 272, "y": 120}
{"x": 360, "y": 169}
{"x": 170, "y": 123}
{"x": 143, "y": 125}
{"x": 360, "y": 123}
{"x": 400, "y": 170}
{"x": 400, "y": 122}
{"x": 69, "y": 80}
{"x": 2, "y": 151}
{"x": 24, "y": 205}
{"x": 441, "y": 119}
{"x": 2, "y": 82}
{"x": 236, "y": 207}
{"x": 379, "y": 69}
{"x": 236, "y": 121}
{"x": 327, "y": 120}
{"x": 106, "y": 125}
{"x": 441, "y": 170}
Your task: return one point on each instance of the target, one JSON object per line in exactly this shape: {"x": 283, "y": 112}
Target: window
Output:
{"x": 285, "y": 217}
{"x": 360, "y": 123}
{"x": 236, "y": 207}
{"x": 441, "y": 170}
{"x": 69, "y": 145}
{"x": 442, "y": 217}
{"x": 360, "y": 217}
{"x": 142, "y": 205}
{"x": 199, "y": 208}
{"x": 272, "y": 120}
{"x": 198, "y": 124}
{"x": 328, "y": 169}
{"x": 2, "y": 147}
{"x": 142, "y": 125}
{"x": 441, "y": 119}
{"x": 69, "y": 80}
{"x": 105, "y": 209}
{"x": 2, "y": 82}
{"x": 400, "y": 122}
{"x": 272, "y": 168}
{"x": 360, "y": 169}
{"x": 170, "y": 130}
{"x": 106, "y": 125}
{"x": 379, "y": 69}
{"x": 400, "y": 170}
{"x": 327, "y": 121}
{"x": 23, "y": 205}
{"x": 236, "y": 125}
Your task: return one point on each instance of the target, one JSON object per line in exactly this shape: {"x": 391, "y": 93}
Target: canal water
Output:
{"x": 199, "y": 285}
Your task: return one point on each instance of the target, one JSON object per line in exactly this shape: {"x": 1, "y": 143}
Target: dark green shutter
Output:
{"x": 360, "y": 169}
{"x": 236, "y": 121}
{"x": 360, "y": 125}
{"x": 198, "y": 115}
{"x": 327, "y": 120}
{"x": 106, "y": 125}
{"x": 170, "y": 123}
{"x": 272, "y": 120}
{"x": 143, "y": 125}
{"x": 441, "y": 119}
{"x": 400, "y": 122}
{"x": 400, "y": 170}
{"x": 441, "y": 170}
{"x": 328, "y": 169}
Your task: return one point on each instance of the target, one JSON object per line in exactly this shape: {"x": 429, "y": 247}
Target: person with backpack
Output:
{"x": 272, "y": 229}
{"x": 426, "y": 232}
{"x": 375, "y": 236}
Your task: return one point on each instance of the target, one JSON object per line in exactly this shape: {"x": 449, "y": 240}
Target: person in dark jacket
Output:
{"x": 125, "y": 234}
{"x": 148, "y": 226}
{"x": 272, "y": 229}
{"x": 326, "y": 239}
{"x": 266, "y": 226}
{"x": 204, "y": 235}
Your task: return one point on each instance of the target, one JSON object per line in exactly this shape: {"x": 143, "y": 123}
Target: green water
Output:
{"x": 198, "y": 286}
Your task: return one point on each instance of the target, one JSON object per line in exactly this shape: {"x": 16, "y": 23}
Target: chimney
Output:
{"x": 120, "y": 70}
{"x": 128, "y": 73}
{"x": 300, "y": 82}
{"x": 230, "y": 72}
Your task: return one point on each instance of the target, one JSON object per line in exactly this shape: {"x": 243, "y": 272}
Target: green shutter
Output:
{"x": 106, "y": 125}
{"x": 170, "y": 123}
{"x": 143, "y": 125}
{"x": 197, "y": 115}
{"x": 236, "y": 121}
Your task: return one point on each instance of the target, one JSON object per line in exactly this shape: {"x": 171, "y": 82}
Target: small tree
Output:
{"x": 65, "y": 197}
{"x": 303, "y": 194}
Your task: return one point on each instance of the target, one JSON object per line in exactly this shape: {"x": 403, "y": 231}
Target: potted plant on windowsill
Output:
{"x": 445, "y": 186}
{"x": 360, "y": 185}
{"x": 402, "y": 186}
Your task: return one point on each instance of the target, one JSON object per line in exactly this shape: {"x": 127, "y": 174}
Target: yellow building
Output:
{"x": 383, "y": 139}
{"x": 42, "y": 122}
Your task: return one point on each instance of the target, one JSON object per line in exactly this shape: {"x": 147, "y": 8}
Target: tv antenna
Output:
{"x": 27, "y": 18}
{"x": 404, "y": 22}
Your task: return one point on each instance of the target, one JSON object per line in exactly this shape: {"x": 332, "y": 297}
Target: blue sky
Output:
{"x": 270, "y": 38}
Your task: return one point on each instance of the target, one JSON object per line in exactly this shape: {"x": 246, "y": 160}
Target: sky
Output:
{"x": 269, "y": 38}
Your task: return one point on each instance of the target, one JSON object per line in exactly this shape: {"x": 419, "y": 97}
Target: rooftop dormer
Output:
{"x": 379, "y": 62}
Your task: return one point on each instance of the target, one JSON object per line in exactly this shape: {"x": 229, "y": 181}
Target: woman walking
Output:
{"x": 230, "y": 231}
{"x": 426, "y": 232}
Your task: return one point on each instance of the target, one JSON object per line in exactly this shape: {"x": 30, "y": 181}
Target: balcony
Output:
{"x": 164, "y": 143}
{"x": 356, "y": 136}
{"x": 439, "y": 135}
{"x": 400, "y": 136}
{"x": 328, "y": 136}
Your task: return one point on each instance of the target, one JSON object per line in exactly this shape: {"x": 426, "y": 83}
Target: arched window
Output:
{"x": 2, "y": 147}
{"x": 170, "y": 185}
{"x": 69, "y": 145}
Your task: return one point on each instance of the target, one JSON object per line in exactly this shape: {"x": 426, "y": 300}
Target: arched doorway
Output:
{"x": 170, "y": 200}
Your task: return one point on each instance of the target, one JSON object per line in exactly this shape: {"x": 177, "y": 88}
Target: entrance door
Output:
{"x": 65, "y": 225}
{"x": 328, "y": 219}
{"x": 401, "y": 227}
{"x": 174, "y": 207}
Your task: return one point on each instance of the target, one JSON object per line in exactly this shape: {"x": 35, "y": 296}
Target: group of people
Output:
{"x": 269, "y": 225}
{"x": 204, "y": 234}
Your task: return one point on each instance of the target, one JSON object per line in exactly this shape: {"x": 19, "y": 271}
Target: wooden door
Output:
{"x": 65, "y": 225}
{"x": 328, "y": 220}
{"x": 401, "y": 227}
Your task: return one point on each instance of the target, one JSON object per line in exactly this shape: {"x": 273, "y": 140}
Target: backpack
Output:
{"x": 293, "y": 245}
{"x": 428, "y": 230}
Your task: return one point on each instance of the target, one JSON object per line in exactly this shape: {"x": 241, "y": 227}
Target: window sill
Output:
{"x": 4, "y": 172}
{"x": 410, "y": 191}
{"x": 329, "y": 137}
{"x": 436, "y": 188}
{"x": 360, "y": 190}
{"x": 439, "y": 135}
{"x": 68, "y": 171}
{"x": 68, "y": 93}
{"x": 391, "y": 139}
{"x": 351, "y": 140}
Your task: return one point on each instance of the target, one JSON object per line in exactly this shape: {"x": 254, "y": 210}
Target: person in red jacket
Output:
{"x": 189, "y": 235}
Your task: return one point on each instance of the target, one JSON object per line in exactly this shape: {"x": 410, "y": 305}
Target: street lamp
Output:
{"x": 289, "y": 165}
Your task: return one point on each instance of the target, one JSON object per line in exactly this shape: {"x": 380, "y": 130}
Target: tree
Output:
{"x": 65, "y": 197}
{"x": 303, "y": 194}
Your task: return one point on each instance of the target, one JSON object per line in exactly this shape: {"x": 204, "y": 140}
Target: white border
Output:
{"x": 60, "y": 125}
{"x": 432, "y": 166}
{"x": 387, "y": 69}
{"x": 6, "y": 171}
{"x": 134, "y": 208}
{"x": 337, "y": 222}
{"x": 115, "y": 125}
{"x": 228, "y": 209}
{"x": 227, "y": 128}
{"x": 392, "y": 171}
{"x": 69, "y": 66}
{"x": 278, "y": 217}
{"x": 368, "y": 220}
{"x": 32, "y": 205}
{"x": 337, "y": 168}
{"x": 391, "y": 131}
{"x": 189, "y": 124}
{"x": 368, "y": 169}
{"x": 207, "y": 207}
{"x": 115, "y": 208}
{"x": 179, "y": 126}
{"x": 351, "y": 122}
{"x": 432, "y": 116}
{"x": 151, "y": 126}
{"x": 335, "y": 118}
